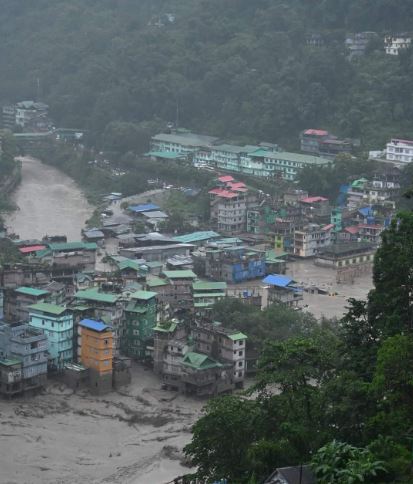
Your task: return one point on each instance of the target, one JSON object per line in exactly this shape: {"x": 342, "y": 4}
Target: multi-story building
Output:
{"x": 315, "y": 207}
{"x": 311, "y": 239}
{"x": 9, "y": 117}
{"x": 346, "y": 254}
{"x": 234, "y": 264}
{"x": 282, "y": 289}
{"x": 261, "y": 220}
{"x": 139, "y": 321}
{"x": 285, "y": 165}
{"x": 400, "y": 151}
{"x": 183, "y": 142}
{"x": 393, "y": 45}
{"x": 28, "y": 345}
{"x": 57, "y": 324}
{"x": 178, "y": 292}
{"x": 11, "y": 377}
{"x": 32, "y": 115}
{"x": 321, "y": 142}
{"x": 17, "y": 302}
{"x": 105, "y": 306}
{"x": 95, "y": 351}
{"x": 206, "y": 294}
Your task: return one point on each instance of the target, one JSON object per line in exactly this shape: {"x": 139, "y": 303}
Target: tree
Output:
{"x": 391, "y": 301}
{"x": 342, "y": 463}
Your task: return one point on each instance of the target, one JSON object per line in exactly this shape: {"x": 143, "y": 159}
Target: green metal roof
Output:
{"x": 73, "y": 246}
{"x": 143, "y": 295}
{"x": 153, "y": 264}
{"x": 164, "y": 328}
{"x": 203, "y": 305}
{"x": 42, "y": 253}
{"x": 199, "y": 361}
{"x": 156, "y": 281}
{"x": 206, "y": 286}
{"x": 209, "y": 294}
{"x": 11, "y": 362}
{"x": 295, "y": 157}
{"x": 237, "y": 336}
{"x": 31, "y": 291}
{"x": 95, "y": 295}
{"x": 197, "y": 236}
{"x": 169, "y": 155}
{"x": 180, "y": 274}
{"x": 48, "y": 308}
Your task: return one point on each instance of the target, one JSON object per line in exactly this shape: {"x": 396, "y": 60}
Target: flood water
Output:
{"x": 49, "y": 203}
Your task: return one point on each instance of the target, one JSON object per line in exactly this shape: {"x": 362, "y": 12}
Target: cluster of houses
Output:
{"x": 356, "y": 44}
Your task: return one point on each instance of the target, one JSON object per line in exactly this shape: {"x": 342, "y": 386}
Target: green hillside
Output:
{"x": 237, "y": 68}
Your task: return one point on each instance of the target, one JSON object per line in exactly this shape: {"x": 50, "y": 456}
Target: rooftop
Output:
{"x": 237, "y": 336}
{"x": 143, "y": 207}
{"x": 186, "y": 138}
{"x": 209, "y": 286}
{"x": 54, "y": 309}
{"x": 31, "y": 291}
{"x": 278, "y": 280}
{"x": 197, "y": 236}
{"x": 198, "y": 361}
{"x": 98, "y": 326}
{"x": 143, "y": 295}
{"x": 96, "y": 296}
{"x": 32, "y": 248}
{"x": 61, "y": 246}
{"x": 180, "y": 274}
{"x": 167, "y": 155}
{"x": 294, "y": 157}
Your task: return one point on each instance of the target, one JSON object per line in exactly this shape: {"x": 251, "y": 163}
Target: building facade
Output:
{"x": 400, "y": 151}
{"x": 57, "y": 324}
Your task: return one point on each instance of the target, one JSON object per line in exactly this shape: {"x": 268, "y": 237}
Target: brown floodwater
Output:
{"x": 49, "y": 203}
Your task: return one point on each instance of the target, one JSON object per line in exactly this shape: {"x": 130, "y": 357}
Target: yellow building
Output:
{"x": 95, "y": 346}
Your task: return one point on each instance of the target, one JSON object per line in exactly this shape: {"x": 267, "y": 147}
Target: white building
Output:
{"x": 311, "y": 239}
{"x": 182, "y": 142}
{"x": 392, "y": 45}
{"x": 400, "y": 151}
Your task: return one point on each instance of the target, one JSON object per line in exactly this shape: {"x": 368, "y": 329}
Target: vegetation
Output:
{"x": 338, "y": 397}
{"x": 237, "y": 68}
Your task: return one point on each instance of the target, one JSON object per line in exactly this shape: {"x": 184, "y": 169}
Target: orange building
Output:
{"x": 95, "y": 346}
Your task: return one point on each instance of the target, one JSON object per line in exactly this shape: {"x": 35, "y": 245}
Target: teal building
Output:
{"x": 139, "y": 321}
{"x": 57, "y": 324}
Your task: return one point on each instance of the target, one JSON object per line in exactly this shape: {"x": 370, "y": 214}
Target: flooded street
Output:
{"x": 49, "y": 203}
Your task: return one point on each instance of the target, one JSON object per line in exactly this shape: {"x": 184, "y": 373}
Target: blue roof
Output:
{"x": 95, "y": 325}
{"x": 143, "y": 208}
{"x": 366, "y": 211}
{"x": 277, "y": 280}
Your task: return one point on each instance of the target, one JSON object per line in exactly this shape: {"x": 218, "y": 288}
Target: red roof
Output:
{"x": 354, "y": 230}
{"x": 32, "y": 248}
{"x": 328, "y": 227}
{"x": 226, "y": 178}
{"x": 316, "y": 132}
{"x": 313, "y": 199}
{"x": 237, "y": 186}
{"x": 221, "y": 192}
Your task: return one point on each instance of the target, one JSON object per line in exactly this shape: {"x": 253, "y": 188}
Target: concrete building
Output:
{"x": 281, "y": 289}
{"x": 32, "y": 116}
{"x": 95, "y": 351}
{"x": 400, "y": 151}
{"x": 107, "y": 307}
{"x": 205, "y": 294}
{"x": 30, "y": 346}
{"x": 393, "y": 45}
{"x": 11, "y": 377}
{"x": 139, "y": 321}
{"x": 178, "y": 292}
{"x": 345, "y": 255}
{"x": 57, "y": 324}
{"x": 234, "y": 264}
{"x": 311, "y": 239}
{"x": 9, "y": 117}
{"x": 17, "y": 302}
{"x": 323, "y": 143}
{"x": 182, "y": 142}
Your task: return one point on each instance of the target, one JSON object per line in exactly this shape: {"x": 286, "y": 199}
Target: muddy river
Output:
{"x": 49, "y": 203}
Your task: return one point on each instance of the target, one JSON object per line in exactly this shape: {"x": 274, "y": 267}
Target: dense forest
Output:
{"x": 235, "y": 68}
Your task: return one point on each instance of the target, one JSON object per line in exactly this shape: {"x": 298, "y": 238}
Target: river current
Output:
{"x": 49, "y": 203}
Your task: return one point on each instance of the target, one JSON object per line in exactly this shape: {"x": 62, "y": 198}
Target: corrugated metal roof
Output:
{"x": 199, "y": 361}
{"x": 32, "y": 248}
{"x": 98, "y": 326}
{"x": 73, "y": 246}
{"x": 95, "y": 295}
{"x": 31, "y": 291}
{"x": 48, "y": 308}
{"x": 143, "y": 207}
{"x": 277, "y": 280}
{"x": 143, "y": 295}
{"x": 180, "y": 274}
{"x": 197, "y": 236}
{"x": 237, "y": 336}
{"x": 206, "y": 285}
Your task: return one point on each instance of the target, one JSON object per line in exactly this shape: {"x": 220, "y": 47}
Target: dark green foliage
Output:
{"x": 233, "y": 68}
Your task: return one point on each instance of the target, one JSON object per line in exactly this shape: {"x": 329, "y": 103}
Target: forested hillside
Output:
{"x": 236, "y": 68}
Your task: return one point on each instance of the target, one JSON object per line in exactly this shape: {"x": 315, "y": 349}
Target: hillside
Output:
{"x": 236, "y": 68}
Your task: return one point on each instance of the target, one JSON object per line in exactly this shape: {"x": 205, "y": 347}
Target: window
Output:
{"x": 240, "y": 353}
{"x": 106, "y": 341}
{"x": 240, "y": 363}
